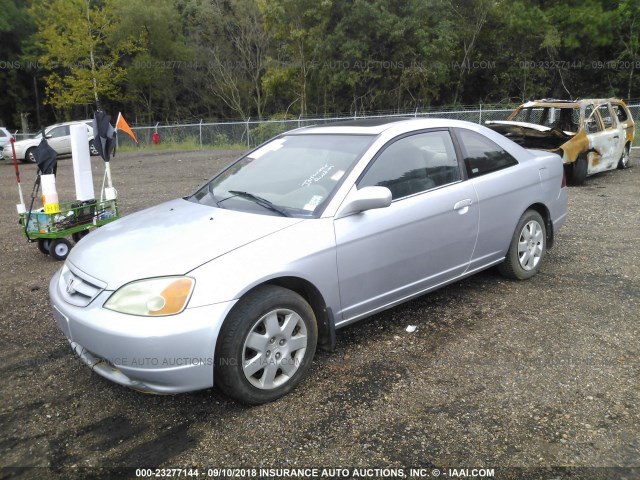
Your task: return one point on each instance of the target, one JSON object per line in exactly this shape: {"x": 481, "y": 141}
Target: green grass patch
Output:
{"x": 175, "y": 146}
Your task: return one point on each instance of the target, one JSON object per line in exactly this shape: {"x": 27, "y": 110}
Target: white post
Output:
{"x": 81, "y": 163}
{"x": 480, "y": 122}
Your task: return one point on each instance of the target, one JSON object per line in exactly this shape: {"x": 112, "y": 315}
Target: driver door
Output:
{"x": 424, "y": 238}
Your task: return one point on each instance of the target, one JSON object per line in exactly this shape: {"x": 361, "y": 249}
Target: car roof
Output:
{"x": 74, "y": 122}
{"x": 553, "y": 102}
{"x": 377, "y": 126}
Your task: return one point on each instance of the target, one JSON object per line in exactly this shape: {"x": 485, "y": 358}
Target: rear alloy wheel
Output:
{"x": 59, "y": 248}
{"x": 528, "y": 248}
{"x": 265, "y": 346}
{"x": 578, "y": 170}
{"x": 625, "y": 159}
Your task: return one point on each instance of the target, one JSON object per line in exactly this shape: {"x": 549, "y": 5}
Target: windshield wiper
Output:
{"x": 263, "y": 202}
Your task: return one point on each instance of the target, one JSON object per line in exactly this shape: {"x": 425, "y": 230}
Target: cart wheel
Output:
{"x": 79, "y": 235}
{"x": 43, "y": 245}
{"x": 59, "y": 248}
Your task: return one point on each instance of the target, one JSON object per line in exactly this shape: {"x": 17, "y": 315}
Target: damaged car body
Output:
{"x": 591, "y": 135}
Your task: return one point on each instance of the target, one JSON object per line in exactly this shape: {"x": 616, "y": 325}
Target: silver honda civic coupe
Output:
{"x": 237, "y": 284}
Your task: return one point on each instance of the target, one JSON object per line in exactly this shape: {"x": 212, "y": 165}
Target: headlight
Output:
{"x": 152, "y": 297}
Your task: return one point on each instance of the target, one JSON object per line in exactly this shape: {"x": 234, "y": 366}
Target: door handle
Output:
{"x": 616, "y": 136}
{"x": 462, "y": 204}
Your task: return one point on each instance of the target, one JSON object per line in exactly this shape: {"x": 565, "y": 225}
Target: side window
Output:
{"x": 620, "y": 112}
{"x": 2, "y": 134}
{"x": 414, "y": 164}
{"x": 591, "y": 123}
{"x": 58, "y": 132}
{"x": 606, "y": 116}
{"x": 481, "y": 155}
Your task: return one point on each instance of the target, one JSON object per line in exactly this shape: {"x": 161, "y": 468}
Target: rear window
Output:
{"x": 481, "y": 155}
{"x": 621, "y": 113}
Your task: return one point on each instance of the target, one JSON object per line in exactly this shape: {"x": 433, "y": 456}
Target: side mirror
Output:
{"x": 366, "y": 198}
{"x": 48, "y": 135}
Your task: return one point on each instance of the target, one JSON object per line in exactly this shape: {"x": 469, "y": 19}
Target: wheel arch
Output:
{"x": 308, "y": 291}
{"x": 546, "y": 216}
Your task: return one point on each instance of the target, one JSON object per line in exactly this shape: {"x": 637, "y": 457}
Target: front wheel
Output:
{"x": 29, "y": 156}
{"x": 59, "y": 248}
{"x": 527, "y": 249}
{"x": 265, "y": 346}
{"x": 578, "y": 170}
{"x": 625, "y": 159}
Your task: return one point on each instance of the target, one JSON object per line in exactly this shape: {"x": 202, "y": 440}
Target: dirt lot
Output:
{"x": 513, "y": 376}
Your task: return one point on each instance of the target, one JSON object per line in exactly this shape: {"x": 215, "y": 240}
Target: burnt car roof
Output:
{"x": 552, "y": 102}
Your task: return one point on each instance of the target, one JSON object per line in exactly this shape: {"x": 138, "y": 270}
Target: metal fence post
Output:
{"x": 480, "y": 112}
{"x": 248, "y": 143}
{"x": 200, "y": 133}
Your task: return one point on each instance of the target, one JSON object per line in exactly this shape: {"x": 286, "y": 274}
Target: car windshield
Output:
{"x": 292, "y": 175}
{"x": 566, "y": 119}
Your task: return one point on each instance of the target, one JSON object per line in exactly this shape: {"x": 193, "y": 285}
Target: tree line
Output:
{"x": 186, "y": 60}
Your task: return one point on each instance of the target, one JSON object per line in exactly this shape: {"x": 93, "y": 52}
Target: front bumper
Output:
{"x": 154, "y": 354}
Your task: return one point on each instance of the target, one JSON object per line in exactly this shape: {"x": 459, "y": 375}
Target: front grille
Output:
{"x": 78, "y": 288}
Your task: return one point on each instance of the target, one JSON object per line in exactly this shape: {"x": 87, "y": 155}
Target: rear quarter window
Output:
{"x": 481, "y": 155}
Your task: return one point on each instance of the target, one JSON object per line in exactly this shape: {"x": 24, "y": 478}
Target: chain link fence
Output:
{"x": 251, "y": 133}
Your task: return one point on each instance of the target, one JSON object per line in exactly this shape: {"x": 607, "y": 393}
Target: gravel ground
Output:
{"x": 518, "y": 377}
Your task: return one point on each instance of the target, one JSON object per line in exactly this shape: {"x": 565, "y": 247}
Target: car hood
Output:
{"x": 523, "y": 129}
{"x": 172, "y": 238}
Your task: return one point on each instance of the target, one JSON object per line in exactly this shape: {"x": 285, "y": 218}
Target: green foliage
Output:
{"x": 189, "y": 60}
{"x": 74, "y": 40}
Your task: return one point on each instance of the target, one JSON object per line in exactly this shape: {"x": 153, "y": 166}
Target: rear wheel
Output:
{"x": 59, "y": 248}
{"x": 528, "y": 248}
{"x": 625, "y": 159}
{"x": 578, "y": 170}
{"x": 77, "y": 236}
{"x": 265, "y": 346}
{"x": 92, "y": 149}
{"x": 43, "y": 245}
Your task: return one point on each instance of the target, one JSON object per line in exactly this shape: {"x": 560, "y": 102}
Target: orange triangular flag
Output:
{"x": 122, "y": 124}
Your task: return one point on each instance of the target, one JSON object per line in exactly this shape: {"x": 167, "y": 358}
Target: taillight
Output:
{"x": 564, "y": 179}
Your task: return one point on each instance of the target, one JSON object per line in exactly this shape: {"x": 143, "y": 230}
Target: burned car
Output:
{"x": 591, "y": 135}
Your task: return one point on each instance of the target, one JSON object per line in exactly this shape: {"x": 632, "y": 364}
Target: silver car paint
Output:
{"x": 354, "y": 269}
{"x": 172, "y": 238}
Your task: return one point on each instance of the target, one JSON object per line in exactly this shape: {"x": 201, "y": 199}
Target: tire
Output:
{"x": 77, "y": 236}
{"x": 59, "y": 248}
{"x": 260, "y": 355}
{"x": 29, "y": 156}
{"x": 578, "y": 170}
{"x": 93, "y": 151}
{"x": 625, "y": 159}
{"x": 43, "y": 245}
{"x": 527, "y": 249}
